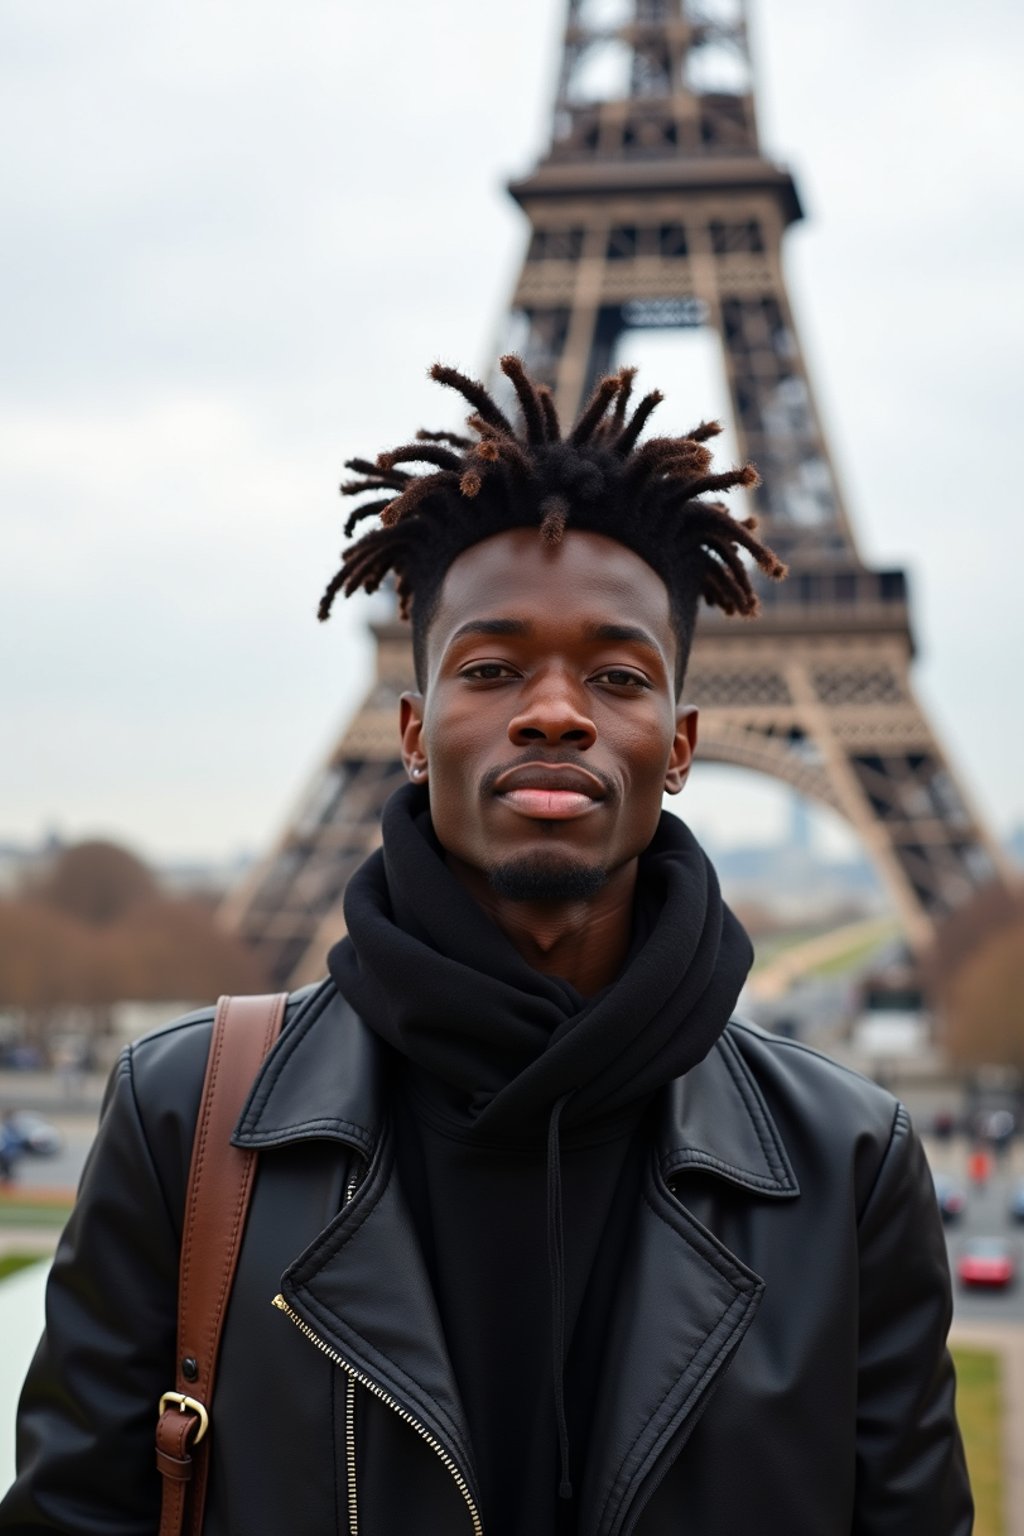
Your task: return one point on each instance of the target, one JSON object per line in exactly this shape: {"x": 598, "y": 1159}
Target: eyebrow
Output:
{"x": 492, "y": 627}
{"x": 614, "y": 632}
{"x": 624, "y": 632}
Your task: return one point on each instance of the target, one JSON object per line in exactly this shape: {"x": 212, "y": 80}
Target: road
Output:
{"x": 62, "y": 1170}
{"x": 986, "y": 1216}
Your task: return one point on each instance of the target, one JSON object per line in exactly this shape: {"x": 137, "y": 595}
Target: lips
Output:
{"x": 549, "y": 794}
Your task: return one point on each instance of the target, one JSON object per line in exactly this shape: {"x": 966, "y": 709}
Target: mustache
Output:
{"x": 560, "y": 757}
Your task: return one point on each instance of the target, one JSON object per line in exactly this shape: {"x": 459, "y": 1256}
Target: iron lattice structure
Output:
{"x": 656, "y": 206}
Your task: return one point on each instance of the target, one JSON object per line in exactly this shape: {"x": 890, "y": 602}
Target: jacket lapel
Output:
{"x": 684, "y": 1301}
{"x": 683, "y": 1305}
{"x": 361, "y": 1287}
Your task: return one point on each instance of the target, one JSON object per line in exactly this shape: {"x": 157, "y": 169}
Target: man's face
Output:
{"x": 548, "y": 730}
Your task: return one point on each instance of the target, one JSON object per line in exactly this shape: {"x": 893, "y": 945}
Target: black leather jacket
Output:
{"x": 775, "y": 1362}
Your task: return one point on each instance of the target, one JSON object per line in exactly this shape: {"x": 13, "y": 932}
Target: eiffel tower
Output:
{"x": 655, "y": 206}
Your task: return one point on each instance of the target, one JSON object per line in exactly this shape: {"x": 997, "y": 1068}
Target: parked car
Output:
{"x": 35, "y": 1134}
{"x": 987, "y": 1261}
{"x": 951, "y": 1197}
{"x": 21, "y": 1058}
{"x": 1017, "y": 1203}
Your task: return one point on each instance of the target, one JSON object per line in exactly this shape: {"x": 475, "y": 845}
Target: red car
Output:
{"x": 986, "y": 1261}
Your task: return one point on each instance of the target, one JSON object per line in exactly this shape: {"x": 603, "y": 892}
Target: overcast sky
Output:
{"x": 234, "y": 237}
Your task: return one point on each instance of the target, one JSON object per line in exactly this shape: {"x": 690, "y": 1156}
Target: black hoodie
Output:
{"x": 520, "y": 1122}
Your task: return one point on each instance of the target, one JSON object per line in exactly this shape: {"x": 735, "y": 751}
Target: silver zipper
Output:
{"x": 350, "y": 1455}
{"x": 350, "y": 1407}
{"x": 385, "y": 1397}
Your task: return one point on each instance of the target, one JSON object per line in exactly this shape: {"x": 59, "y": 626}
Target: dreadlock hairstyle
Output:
{"x": 598, "y": 477}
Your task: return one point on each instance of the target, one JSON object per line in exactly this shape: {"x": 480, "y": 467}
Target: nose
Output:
{"x": 554, "y": 712}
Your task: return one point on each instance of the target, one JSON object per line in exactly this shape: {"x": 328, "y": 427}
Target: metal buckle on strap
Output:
{"x": 188, "y": 1405}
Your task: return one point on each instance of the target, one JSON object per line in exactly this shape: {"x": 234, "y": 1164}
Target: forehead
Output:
{"x": 584, "y": 580}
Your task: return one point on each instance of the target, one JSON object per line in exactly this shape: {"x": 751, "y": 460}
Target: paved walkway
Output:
{"x": 21, "y": 1322}
{"x": 1008, "y": 1343}
{"x": 41, "y": 1240}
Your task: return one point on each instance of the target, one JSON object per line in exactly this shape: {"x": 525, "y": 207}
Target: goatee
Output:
{"x": 536, "y": 878}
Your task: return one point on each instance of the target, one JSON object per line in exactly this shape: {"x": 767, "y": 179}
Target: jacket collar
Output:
{"x": 716, "y": 1122}
{"x": 325, "y": 1079}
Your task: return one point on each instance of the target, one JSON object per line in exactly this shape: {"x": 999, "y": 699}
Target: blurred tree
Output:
{"x": 174, "y": 948}
{"x": 96, "y": 929}
{"x": 45, "y": 957}
{"x": 97, "y": 882}
{"x": 977, "y": 982}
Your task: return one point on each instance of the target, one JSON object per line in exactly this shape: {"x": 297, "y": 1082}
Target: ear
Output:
{"x": 410, "y": 725}
{"x": 684, "y": 744}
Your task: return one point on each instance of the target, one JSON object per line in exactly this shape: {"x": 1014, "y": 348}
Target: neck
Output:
{"x": 583, "y": 942}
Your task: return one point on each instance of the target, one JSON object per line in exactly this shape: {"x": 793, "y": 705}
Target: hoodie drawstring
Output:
{"x": 556, "y": 1269}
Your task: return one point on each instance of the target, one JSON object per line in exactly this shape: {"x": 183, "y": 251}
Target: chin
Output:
{"x": 547, "y": 877}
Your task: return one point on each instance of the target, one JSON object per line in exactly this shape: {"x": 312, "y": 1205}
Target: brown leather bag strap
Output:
{"x": 219, "y": 1186}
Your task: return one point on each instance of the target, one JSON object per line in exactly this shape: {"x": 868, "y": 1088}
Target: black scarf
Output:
{"x": 432, "y": 974}
{"x": 514, "y": 1055}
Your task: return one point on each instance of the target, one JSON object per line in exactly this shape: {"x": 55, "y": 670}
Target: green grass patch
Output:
{"x": 28, "y": 1212}
{"x": 852, "y": 958}
{"x": 847, "y": 948}
{"x": 979, "y": 1402}
{"x": 10, "y": 1263}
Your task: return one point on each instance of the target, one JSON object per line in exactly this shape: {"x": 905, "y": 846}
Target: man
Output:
{"x": 553, "y": 1245}
{"x": 12, "y": 1146}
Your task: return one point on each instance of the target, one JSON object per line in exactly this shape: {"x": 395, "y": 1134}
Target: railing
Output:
{"x": 844, "y": 597}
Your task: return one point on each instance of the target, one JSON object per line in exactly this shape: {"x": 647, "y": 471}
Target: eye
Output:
{"x": 487, "y": 672}
{"x": 623, "y": 677}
